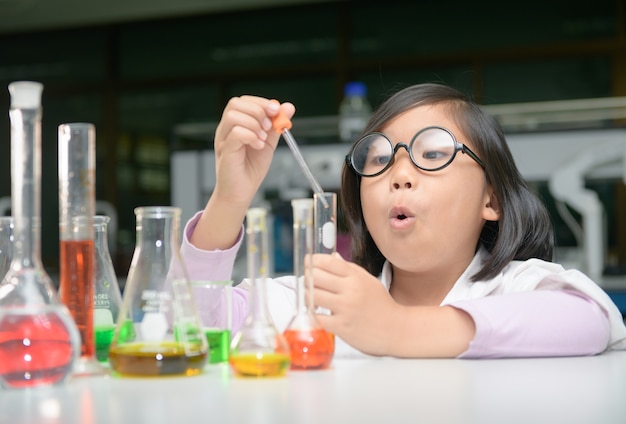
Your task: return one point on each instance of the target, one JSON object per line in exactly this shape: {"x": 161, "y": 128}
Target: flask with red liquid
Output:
{"x": 39, "y": 341}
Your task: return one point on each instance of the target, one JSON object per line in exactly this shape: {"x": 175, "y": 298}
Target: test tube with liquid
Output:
{"x": 76, "y": 143}
{"x": 311, "y": 346}
{"x": 258, "y": 349}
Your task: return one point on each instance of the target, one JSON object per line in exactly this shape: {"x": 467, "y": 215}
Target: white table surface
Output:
{"x": 585, "y": 390}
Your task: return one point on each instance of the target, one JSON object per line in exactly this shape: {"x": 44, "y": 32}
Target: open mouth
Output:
{"x": 400, "y": 213}
{"x": 400, "y": 218}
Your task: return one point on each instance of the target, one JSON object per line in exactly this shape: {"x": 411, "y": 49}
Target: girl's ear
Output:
{"x": 491, "y": 210}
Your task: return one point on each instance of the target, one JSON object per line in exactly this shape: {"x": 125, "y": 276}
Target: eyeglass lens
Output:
{"x": 431, "y": 149}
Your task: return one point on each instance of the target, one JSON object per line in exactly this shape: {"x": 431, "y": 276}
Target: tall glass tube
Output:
{"x": 325, "y": 223}
{"x": 310, "y": 345}
{"x": 39, "y": 341}
{"x": 77, "y": 169}
{"x": 258, "y": 349}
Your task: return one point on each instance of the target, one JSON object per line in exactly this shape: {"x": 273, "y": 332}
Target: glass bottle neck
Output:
{"x": 26, "y": 185}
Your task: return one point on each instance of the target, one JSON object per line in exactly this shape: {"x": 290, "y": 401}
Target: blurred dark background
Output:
{"x": 138, "y": 68}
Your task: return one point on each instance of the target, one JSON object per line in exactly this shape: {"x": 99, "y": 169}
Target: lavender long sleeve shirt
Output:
{"x": 532, "y": 308}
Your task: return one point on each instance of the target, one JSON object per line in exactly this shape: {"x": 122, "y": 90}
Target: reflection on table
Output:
{"x": 585, "y": 390}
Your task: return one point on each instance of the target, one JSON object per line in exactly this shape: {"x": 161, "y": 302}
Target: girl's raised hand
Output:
{"x": 244, "y": 146}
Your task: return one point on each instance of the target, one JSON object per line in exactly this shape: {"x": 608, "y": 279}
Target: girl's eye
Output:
{"x": 381, "y": 160}
{"x": 434, "y": 155}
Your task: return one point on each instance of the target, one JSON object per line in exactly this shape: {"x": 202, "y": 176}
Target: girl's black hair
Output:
{"x": 524, "y": 230}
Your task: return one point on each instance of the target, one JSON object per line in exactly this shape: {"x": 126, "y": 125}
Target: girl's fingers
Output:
{"x": 247, "y": 119}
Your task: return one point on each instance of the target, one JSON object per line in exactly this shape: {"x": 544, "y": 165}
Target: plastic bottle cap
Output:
{"x": 25, "y": 94}
{"x": 355, "y": 88}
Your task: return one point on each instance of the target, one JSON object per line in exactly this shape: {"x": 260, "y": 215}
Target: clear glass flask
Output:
{"x": 77, "y": 174}
{"x": 258, "y": 349}
{"x": 6, "y": 244}
{"x": 107, "y": 295}
{"x": 158, "y": 331}
{"x": 311, "y": 346}
{"x": 39, "y": 341}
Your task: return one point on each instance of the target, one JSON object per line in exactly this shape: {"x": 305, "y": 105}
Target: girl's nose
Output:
{"x": 402, "y": 173}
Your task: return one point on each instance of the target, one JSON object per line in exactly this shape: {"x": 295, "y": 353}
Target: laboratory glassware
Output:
{"x": 6, "y": 244}
{"x": 215, "y": 306}
{"x": 282, "y": 125}
{"x": 325, "y": 222}
{"x": 310, "y": 345}
{"x": 258, "y": 349}
{"x": 107, "y": 295}
{"x": 39, "y": 340}
{"x": 77, "y": 173}
{"x": 158, "y": 330}
{"x": 354, "y": 111}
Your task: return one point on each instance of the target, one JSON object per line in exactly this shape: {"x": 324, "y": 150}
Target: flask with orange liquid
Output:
{"x": 311, "y": 346}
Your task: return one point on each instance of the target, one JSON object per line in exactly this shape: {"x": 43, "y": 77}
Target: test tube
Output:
{"x": 76, "y": 232}
{"x": 325, "y": 222}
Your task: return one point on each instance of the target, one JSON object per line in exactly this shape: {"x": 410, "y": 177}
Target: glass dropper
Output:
{"x": 282, "y": 125}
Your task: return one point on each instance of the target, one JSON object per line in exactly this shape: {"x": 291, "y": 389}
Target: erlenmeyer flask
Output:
{"x": 158, "y": 330}
{"x": 310, "y": 345}
{"x": 39, "y": 341}
{"x": 6, "y": 244}
{"x": 107, "y": 296}
{"x": 258, "y": 349}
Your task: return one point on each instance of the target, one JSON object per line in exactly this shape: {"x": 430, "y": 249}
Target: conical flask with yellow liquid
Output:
{"x": 158, "y": 329}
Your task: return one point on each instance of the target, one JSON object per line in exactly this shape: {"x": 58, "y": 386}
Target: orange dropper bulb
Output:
{"x": 280, "y": 122}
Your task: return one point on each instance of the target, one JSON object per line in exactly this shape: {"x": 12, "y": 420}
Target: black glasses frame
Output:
{"x": 458, "y": 147}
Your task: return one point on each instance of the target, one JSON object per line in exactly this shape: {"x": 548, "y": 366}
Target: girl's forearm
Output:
{"x": 219, "y": 225}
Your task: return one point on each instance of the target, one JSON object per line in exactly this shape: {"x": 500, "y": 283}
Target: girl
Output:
{"x": 450, "y": 249}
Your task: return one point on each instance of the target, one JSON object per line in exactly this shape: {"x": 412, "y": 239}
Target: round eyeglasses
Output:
{"x": 431, "y": 149}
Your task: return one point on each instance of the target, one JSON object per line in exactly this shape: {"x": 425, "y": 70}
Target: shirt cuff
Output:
{"x": 207, "y": 264}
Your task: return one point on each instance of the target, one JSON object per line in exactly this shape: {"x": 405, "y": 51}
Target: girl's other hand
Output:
{"x": 361, "y": 307}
